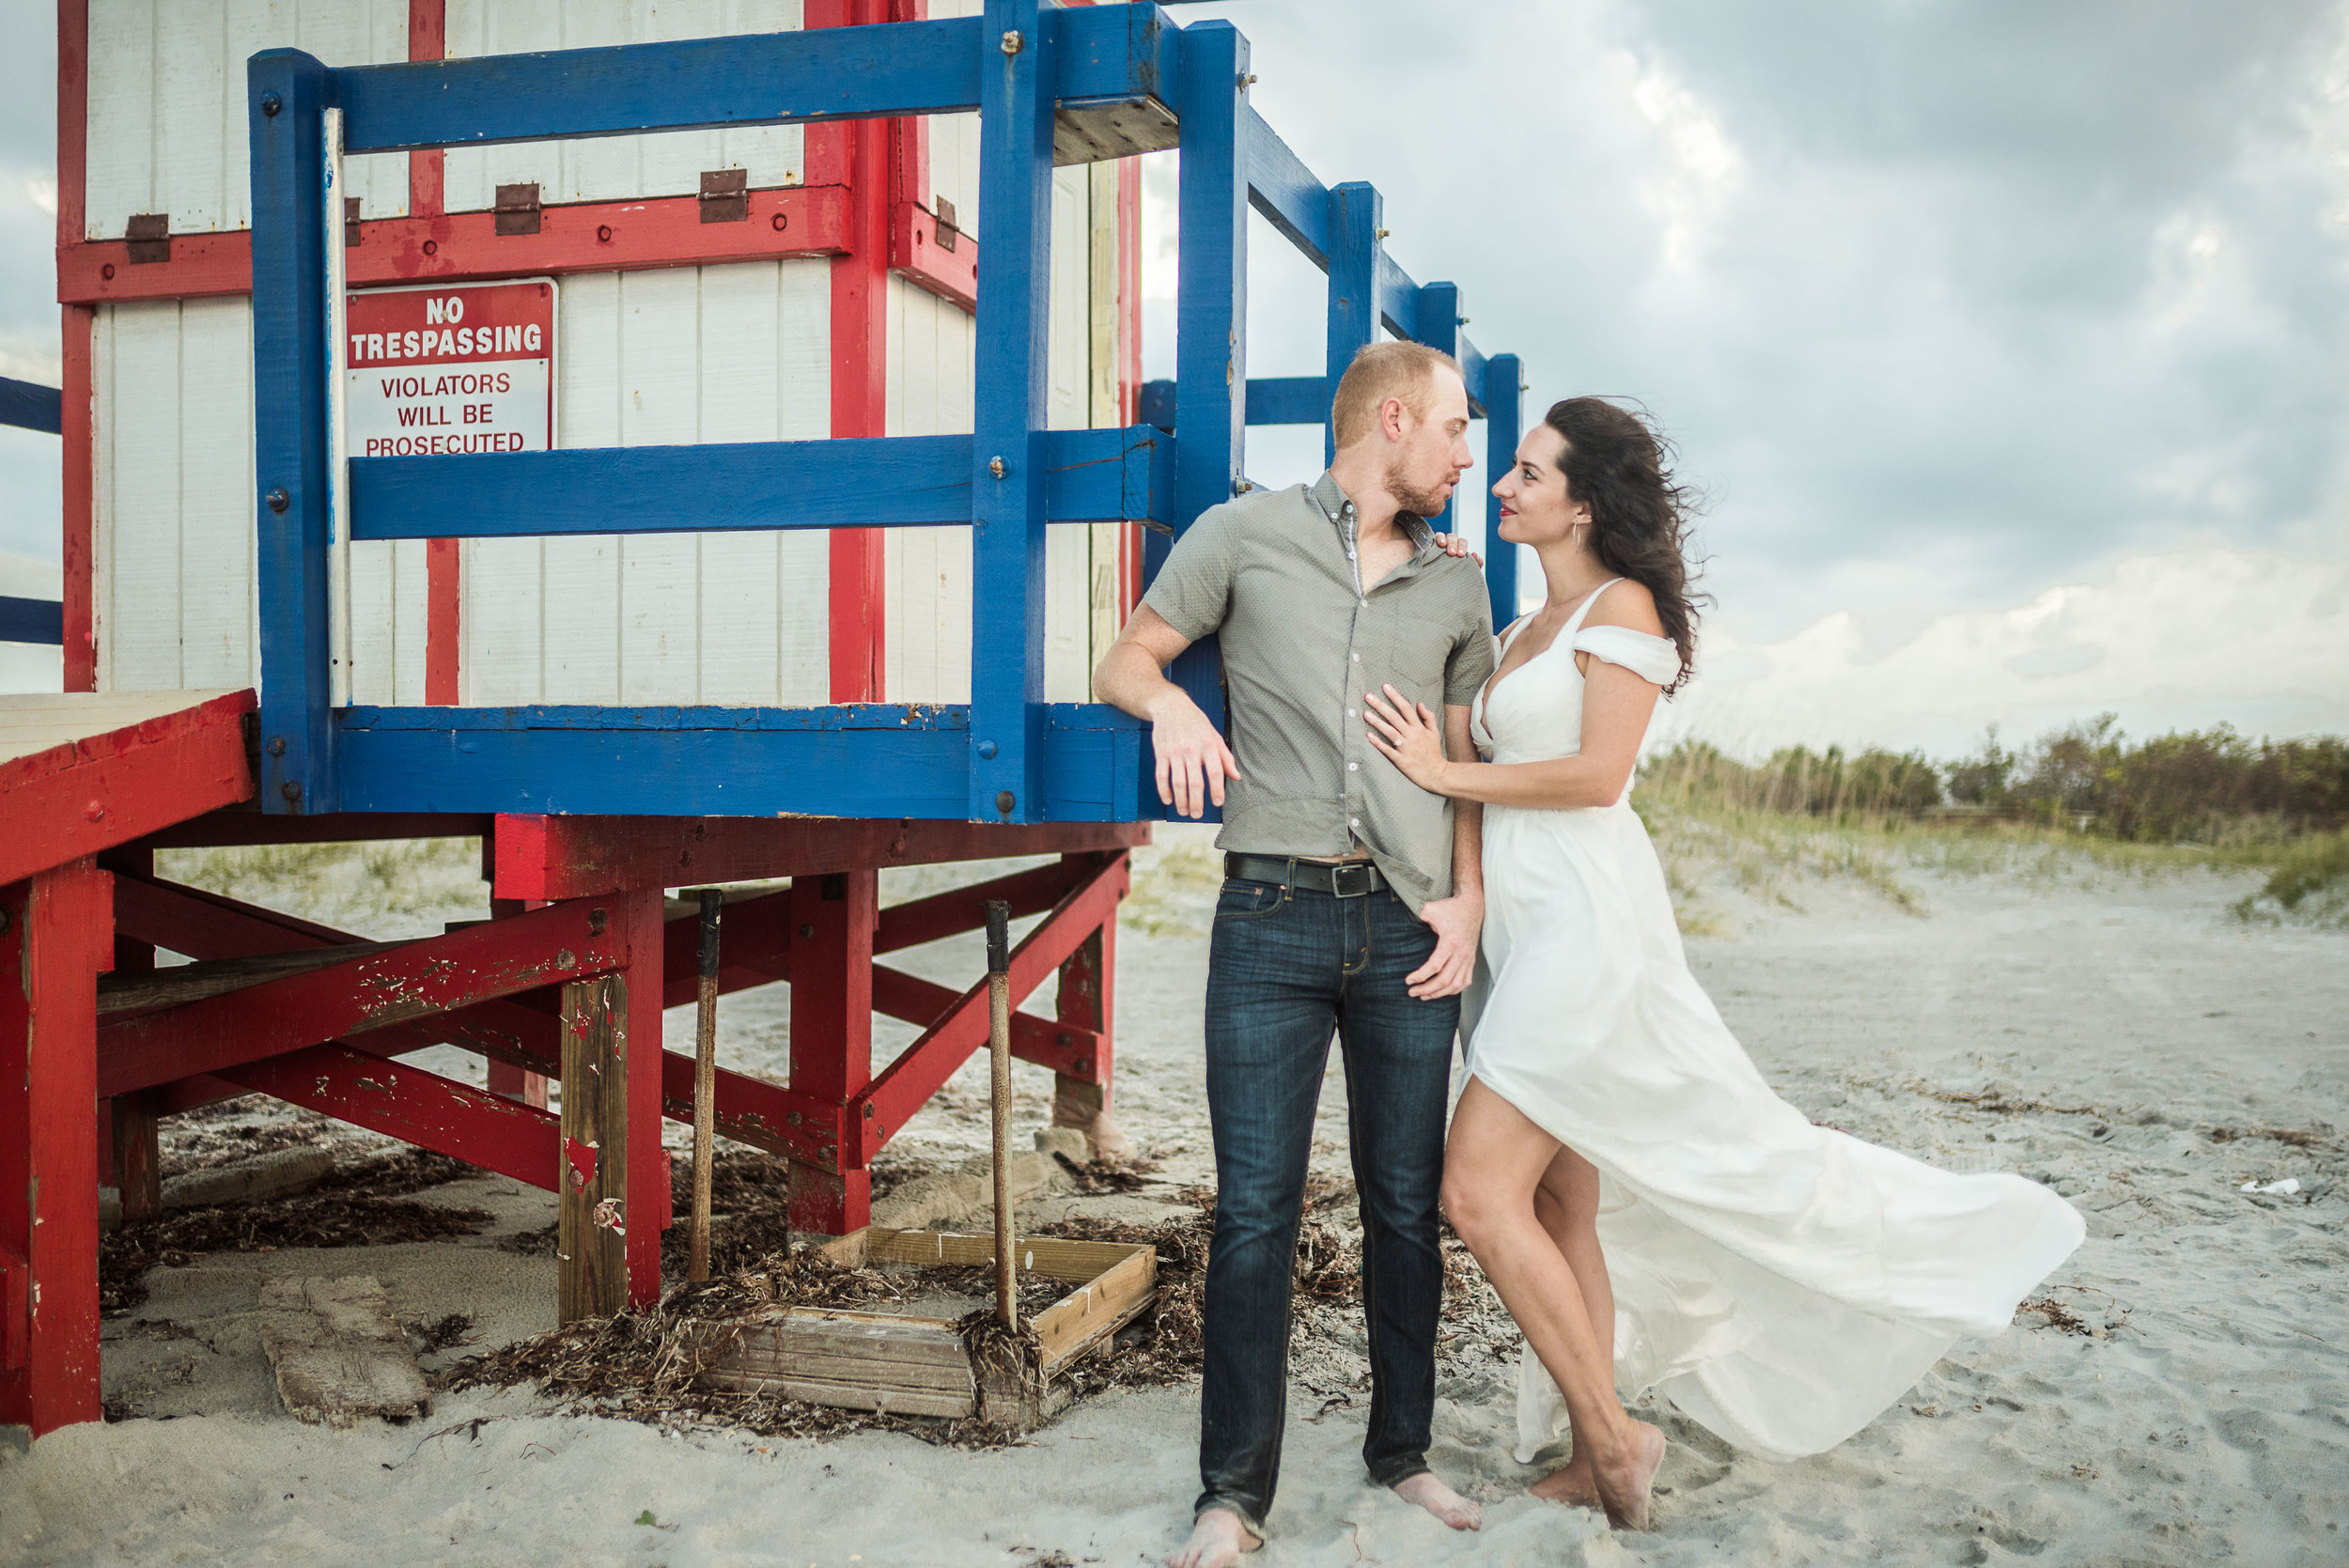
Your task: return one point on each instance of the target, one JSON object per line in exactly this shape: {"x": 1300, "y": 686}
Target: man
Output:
{"x": 1353, "y": 902}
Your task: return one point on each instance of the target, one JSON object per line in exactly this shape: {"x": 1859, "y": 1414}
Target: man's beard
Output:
{"x": 1419, "y": 503}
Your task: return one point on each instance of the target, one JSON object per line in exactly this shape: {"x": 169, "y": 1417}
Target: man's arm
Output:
{"x": 1192, "y": 759}
{"x": 1459, "y": 920}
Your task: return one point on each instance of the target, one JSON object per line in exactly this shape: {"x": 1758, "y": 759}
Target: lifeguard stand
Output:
{"x": 807, "y": 585}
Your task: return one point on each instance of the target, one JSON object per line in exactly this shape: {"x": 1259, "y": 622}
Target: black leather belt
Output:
{"x": 1348, "y": 879}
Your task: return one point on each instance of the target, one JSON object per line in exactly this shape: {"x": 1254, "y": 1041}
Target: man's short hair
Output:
{"x": 1381, "y": 371}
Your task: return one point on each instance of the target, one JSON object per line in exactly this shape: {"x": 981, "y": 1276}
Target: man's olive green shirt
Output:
{"x": 1274, "y": 574}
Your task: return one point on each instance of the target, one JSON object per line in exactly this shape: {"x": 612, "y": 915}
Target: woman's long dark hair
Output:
{"x": 1615, "y": 463}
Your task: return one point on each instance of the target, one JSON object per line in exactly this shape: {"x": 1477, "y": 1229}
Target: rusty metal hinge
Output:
{"x": 518, "y": 210}
{"x": 351, "y": 222}
{"x": 944, "y": 228}
{"x": 726, "y": 195}
{"x": 150, "y": 234}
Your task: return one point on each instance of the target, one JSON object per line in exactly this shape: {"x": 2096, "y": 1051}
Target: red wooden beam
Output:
{"x": 244, "y": 825}
{"x": 584, "y": 237}
{"x": 87, "y": 795}
{"x": 885, "y": 1105}
{"x": 79, "y": 520}
{"x": 854, "y": 156}
{"x": 55, "y": 938}
{"x": 413, "y": 1106}
{"x": 832, "y": 1033}
{"x": 960, "y": 910}
{"x": 915, "y": 254}
{"x": 423, "y": 978}
{"x": 519, "y": 1029}
{"x": 576, "y": 857}
{"x": 1068, "y": 1049}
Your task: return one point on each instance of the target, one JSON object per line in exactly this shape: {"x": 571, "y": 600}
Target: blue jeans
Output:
{"x": 1287, "y": 965}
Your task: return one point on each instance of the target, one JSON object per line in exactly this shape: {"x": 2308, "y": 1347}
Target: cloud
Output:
{"x": 2178, "y": 640}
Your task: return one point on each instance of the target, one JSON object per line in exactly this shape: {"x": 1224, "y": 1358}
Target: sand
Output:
{"x": 2120, "y": 1038}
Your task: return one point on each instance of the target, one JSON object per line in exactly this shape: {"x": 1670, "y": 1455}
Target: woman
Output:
{"x": 1650, "y": 1211}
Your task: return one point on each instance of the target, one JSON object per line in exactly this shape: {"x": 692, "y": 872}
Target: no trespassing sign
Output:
{"x": 442, "y": 369}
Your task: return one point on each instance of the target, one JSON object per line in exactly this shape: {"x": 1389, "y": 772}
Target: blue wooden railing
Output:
{"x": 1006, "y": 757}
{"x": 29, "y": 406}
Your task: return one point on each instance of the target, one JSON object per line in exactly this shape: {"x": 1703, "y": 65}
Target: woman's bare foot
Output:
{"x": 1217, "y": 1539}
{"x": 1625, "y": 1478}
{"x": 1443, "y": 1501}
{"x": 1573, "y": 1483}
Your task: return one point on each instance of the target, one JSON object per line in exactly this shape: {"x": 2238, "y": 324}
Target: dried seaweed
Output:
{"x": 309, "y": 1219}
{"x": 646, "y": 1365}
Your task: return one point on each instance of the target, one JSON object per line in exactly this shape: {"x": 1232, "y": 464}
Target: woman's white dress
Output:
{"x": 1780, "y": 1282}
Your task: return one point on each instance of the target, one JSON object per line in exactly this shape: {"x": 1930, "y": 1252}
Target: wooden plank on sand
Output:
{"x": 338, "y": 1353}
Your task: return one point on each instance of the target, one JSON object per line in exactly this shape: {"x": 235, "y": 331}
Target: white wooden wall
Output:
{"x": 670, "y": 357}
{"x": 168, "y": 124}
{"x": 174, "y": 598}
{"x": 615, "y": 168}
{"x": 725, "y": 354}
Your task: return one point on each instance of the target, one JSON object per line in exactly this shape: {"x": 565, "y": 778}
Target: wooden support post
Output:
{"x": 589, "y": 1238}
{"x": 613, "y": 1176}
{"x": 138, "y": 1154}
{"x": 1088, "y": 981}
{"x": 999, "y": 1106}
{"x": 55, "y": 936}
{"x": 133, "y": 1127}
{"x": 514, "y": 1081}
{"x": 833, "y": 918}
{"x": 705, "y": 1081}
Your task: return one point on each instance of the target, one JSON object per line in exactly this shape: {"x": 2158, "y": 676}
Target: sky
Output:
{"x": 2008, "y": 343}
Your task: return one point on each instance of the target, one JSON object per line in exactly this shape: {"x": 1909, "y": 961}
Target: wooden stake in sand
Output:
{"x": 705, "y": 1087}
{"x": 999, "y": 1096}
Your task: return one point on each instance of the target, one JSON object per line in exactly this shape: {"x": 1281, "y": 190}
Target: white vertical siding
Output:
{"x": 955, "y": 144}
{"x": 676, "y": 356}
{"x": 615, "y": 168}
{"x": 1067, "y": 667}
{"x": 174, "y": 593}
{"x": 168, "y": 122}
{"x": 928, "y": 633}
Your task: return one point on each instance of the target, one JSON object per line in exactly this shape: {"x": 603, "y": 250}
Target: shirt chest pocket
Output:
{"x": 1417, "y": 649}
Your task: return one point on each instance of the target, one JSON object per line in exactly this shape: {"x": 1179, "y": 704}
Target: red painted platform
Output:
{"x": 79, "y": 773}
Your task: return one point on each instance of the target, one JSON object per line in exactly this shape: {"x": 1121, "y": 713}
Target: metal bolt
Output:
{"x": 291, "y": 790}
{"x": 278, "y": 501}
{"x": 277, "y": 745}
{"x": 271, "y": 104}
{"x": 604, "y": 232}
{"x": 432, "y": 247}
{"x": 596, "y": 920}
{"x": 807, "y": 933}
{"x": 108, "y": 270}
{"x": 986, "y": 751}
{"x": 1459, "y": 320}
{"x": 1004, "y": 800}
{"x": 1013, "y": 42}
{"x": 1383, "y": 233}
{"x": 1249, "y": 80}
{"x": 782, "y": 221}
{"x": 1241, "y": 487}
{"x": 995, "y": 466}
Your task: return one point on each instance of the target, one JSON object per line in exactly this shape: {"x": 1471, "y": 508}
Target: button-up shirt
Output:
{"x": 1278, "y": 574}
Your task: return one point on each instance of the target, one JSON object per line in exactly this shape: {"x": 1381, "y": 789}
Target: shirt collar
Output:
{"x": 1335, "y": 505}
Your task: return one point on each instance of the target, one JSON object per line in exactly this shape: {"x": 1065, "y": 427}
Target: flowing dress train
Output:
{"x": 1780, "y": 1282}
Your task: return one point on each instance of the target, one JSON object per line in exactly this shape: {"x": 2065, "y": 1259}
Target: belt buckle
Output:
{"x": 1352, "y": 880}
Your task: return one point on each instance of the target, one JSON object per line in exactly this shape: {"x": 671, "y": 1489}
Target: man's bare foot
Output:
{"x": 1217, "y": 1539}
{"x": 1443, "y": 1501}
{"x": 1573, "y": 1483}
{"x": 1625, "y": 1479}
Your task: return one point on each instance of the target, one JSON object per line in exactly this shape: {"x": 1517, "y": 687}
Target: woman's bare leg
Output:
{"x": 1566, "y": 1203}
{"x": 1495, "y": 1160}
